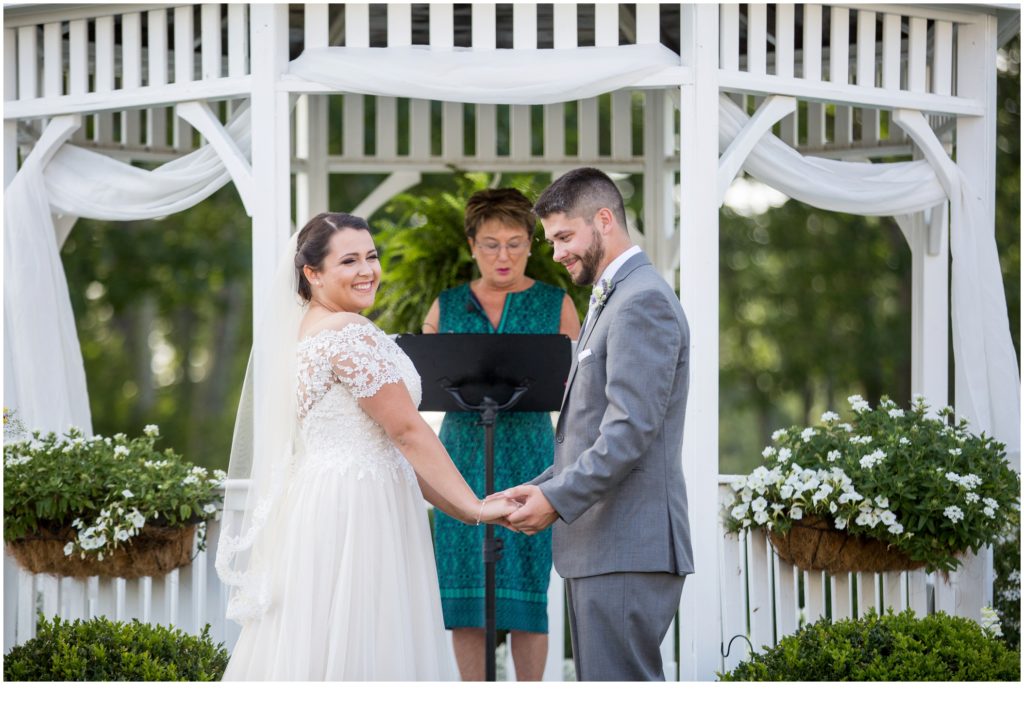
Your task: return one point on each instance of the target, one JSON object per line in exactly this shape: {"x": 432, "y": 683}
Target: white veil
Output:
{"x": 266, "y": 442}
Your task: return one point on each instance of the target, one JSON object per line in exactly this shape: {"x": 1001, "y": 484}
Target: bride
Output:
{"x": 329, "y": 558}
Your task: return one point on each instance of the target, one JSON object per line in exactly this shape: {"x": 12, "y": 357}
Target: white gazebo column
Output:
{"x": 977, "y": 44}
{"x": 271, "y": 164}
{"x": 700, "y": 618}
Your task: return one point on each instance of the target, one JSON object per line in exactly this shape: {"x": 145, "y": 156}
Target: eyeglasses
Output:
{"x": 514, "y": 247}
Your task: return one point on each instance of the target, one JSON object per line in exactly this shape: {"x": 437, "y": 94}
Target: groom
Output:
{"x": 615, "y": 493}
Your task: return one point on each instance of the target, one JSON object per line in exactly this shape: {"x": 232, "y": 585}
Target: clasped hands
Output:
{"x": 523, "y": 509}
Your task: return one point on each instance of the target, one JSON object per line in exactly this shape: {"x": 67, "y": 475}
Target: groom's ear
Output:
{"x": 605, "y": 220}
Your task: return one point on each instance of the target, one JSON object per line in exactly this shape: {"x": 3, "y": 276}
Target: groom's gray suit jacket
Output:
{"x": 617, "y": 480}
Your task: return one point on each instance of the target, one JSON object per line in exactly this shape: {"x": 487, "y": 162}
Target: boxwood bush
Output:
{"x": 102, "y": 650}
{"x": 887, "y": 647}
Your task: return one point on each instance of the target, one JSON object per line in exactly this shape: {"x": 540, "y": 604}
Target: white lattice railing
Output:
{"x": 763, "y": 599}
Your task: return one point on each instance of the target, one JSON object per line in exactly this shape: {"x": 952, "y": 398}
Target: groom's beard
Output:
{"x": 590, "y": 260}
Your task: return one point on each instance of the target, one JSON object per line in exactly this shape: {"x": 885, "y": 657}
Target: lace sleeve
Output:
{"x": 362, "y": 361}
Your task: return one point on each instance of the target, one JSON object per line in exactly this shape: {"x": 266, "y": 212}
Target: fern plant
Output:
{"x": 423, "y": 249}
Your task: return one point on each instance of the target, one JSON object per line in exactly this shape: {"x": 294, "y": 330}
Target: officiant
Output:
{"x": 499, "y": 227}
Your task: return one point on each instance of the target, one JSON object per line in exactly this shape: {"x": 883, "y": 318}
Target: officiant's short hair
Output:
{"x": 507, "y": 205}
{"x": 580, "y": 193}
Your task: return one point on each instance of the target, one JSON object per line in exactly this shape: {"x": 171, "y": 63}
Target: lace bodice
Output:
{"x": 337, "y": 368}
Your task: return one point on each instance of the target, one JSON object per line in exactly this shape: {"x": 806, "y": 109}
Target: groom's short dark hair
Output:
{"x": 580, "y": 193}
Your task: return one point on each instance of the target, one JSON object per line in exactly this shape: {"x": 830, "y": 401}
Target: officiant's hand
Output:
{"x": 536, "y": 512}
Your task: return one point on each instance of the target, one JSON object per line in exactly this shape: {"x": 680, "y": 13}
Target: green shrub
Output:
{"x": 885, "y": 648}
{"x": 102, "y": 650}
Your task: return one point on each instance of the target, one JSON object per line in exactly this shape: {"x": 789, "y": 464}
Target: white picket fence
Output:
{"x": 763, "y": 599}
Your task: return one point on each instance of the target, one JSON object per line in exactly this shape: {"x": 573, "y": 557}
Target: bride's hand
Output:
{"x": 494, "y": 510}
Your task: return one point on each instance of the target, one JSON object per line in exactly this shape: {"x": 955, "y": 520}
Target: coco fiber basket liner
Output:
{"x": 814, "y": 544}
{"x": 153, "y": 552}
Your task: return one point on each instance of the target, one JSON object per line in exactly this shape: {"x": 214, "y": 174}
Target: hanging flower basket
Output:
{"x": 814, "y": 544}
{"x": 154, "y": 551}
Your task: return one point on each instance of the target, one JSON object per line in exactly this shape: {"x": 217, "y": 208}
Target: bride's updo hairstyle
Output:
{"x": 314, "y": 239}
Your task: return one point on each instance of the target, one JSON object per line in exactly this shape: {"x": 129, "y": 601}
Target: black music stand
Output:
{"x": 489, "y": 374}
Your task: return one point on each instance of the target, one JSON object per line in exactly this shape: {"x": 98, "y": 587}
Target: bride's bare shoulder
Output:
{"x": 336, "y": 321}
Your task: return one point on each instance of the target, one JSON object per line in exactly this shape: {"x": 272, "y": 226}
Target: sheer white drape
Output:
{"x": 81, "y": 183}
{"x": 982, "y": 346}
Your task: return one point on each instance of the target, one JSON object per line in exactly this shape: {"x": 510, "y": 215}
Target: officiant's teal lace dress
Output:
{"x": 523, "y": 448}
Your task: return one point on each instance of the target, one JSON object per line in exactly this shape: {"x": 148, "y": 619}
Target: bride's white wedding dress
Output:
{"x": 353, "y": 591}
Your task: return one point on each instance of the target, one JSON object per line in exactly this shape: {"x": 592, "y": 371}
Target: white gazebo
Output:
{"x": 799, "y": 97}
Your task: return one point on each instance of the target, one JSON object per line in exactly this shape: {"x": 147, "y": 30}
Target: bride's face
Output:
{"x": 350, "y": 272}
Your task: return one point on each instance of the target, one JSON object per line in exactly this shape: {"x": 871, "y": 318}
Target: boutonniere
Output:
{"x": 600, "y": 294}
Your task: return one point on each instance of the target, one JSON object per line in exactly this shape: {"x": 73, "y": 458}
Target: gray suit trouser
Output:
{"x": 618, "y": 621}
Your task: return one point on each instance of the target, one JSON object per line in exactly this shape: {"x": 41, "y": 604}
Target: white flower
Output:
{"x": 953, "y": 513}
{"x": 807, "y": 434}
{"x": 220, "y": 474}
{"x": 784, "y": 454}
{"x": 857, "y": 403}
{"x": 832, "y": 507}
{"x": 971, "y": 481}
{"x": 796, "y": 513}
{"x": 990, "y": 621}
{"x": 904, "y": 440}
{"x": 954, "y": 452}
{"x": 972, "y": 497}
{"x": 151, "y": 430}
{"x": 990, "y": 502}
{"x": 786, "y": 492}
{"x": 739, "y": 511}
{"x": 127, "y": 494}
{"x": 210, "y": 508}
{"x": 895, "y": 529}
{"x": 121, "y": 534}
{"x": 863, "y": 519}
{"x": 768, "y": 452}
{"x": 829, "y": 417}
{"x": 989, "y": 511}
{"x": 739, "y": 484}
{"x": 861, "y": 440}
{"x": 846, "y": 427}
{"x": 760, "y": 517}
{"x": 69, "y": 548}
{"x": 834, "y": 455}
{"x": 840, "y": 523}
{"x": 121, "y": 451}
{"x": 888, "y": 518}
{"x": 778, "y": 434}
{"x": 759, "y": 505}
{"x": 896, "y": 413}
{"x": 882, "y": 502}
{"x": 869, "y": 461}
{"x": 190, "y": 479}
{"x": 138, "y": 520}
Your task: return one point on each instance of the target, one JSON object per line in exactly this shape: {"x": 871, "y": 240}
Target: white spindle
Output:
{"x": 200, "y": 606}
{"x": 842, "y": 596}
{"x": 28, "y": 65}
{"x": 442, "y": 25}
{"x": 131, "y": 72}
{"x": 120, "y": 599}
{"x": 867, "y": 593}
{"x": 353, "y": 136}
{"x": 757, "y": 38}
{"x": 53, "y": 60}
{"x": 238, "y": 40}
{"x": 942, "y": 61}
{"x": 734, "y": 609}
{"x": 156, "y": 128}
{"x": 648, "y": 23}
{"x": 524, "y": 26}
{"x": 48, "y": 587}
{"x": 606, "y": 33}
{"x": 171, "y": 591}
{"x": 92, "y": 597}
{"x": 866, "y": 60}
{"x": 399, "y": 23}
{"x": 210, "y": 41}
{"x": 917, "y": 592}
{"x": 729, "y": 36}
{"x": 892, "y": 50}
{"x": 554, "y": 115}
{"x": 814, "y": 595}
{"x": 892, "y": 591}
{"x": 26, "y": 600}
{"x": 811, "y": 70}
{"x": 917, "y": 55}
{"x": 184, "y": 68}
{"x": 785, "y": 598}
{"x": 839, "y": 70}
{"x": 146, "y": 599}
{"x": 387, "y": 122}
{"x": 759, "y": 580}
{"x": 784, "y": 65}
{"x": 104, "y": 75}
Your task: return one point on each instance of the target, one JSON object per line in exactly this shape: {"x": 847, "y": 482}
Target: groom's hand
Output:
{"x": 536, "y": 512}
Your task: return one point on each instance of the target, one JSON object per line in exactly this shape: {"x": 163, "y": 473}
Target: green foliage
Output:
{"x": 424, "y": 250}
{"x": 900, "y": 476}
{"x": 102, "y": 650}
{"x": 1006, "y": 562}
{"x": 104, "y": 488}
{"x": 885, "y": 648}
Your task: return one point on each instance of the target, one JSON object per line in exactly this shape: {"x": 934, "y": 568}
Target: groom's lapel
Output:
{"x": 628, "y": 267}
